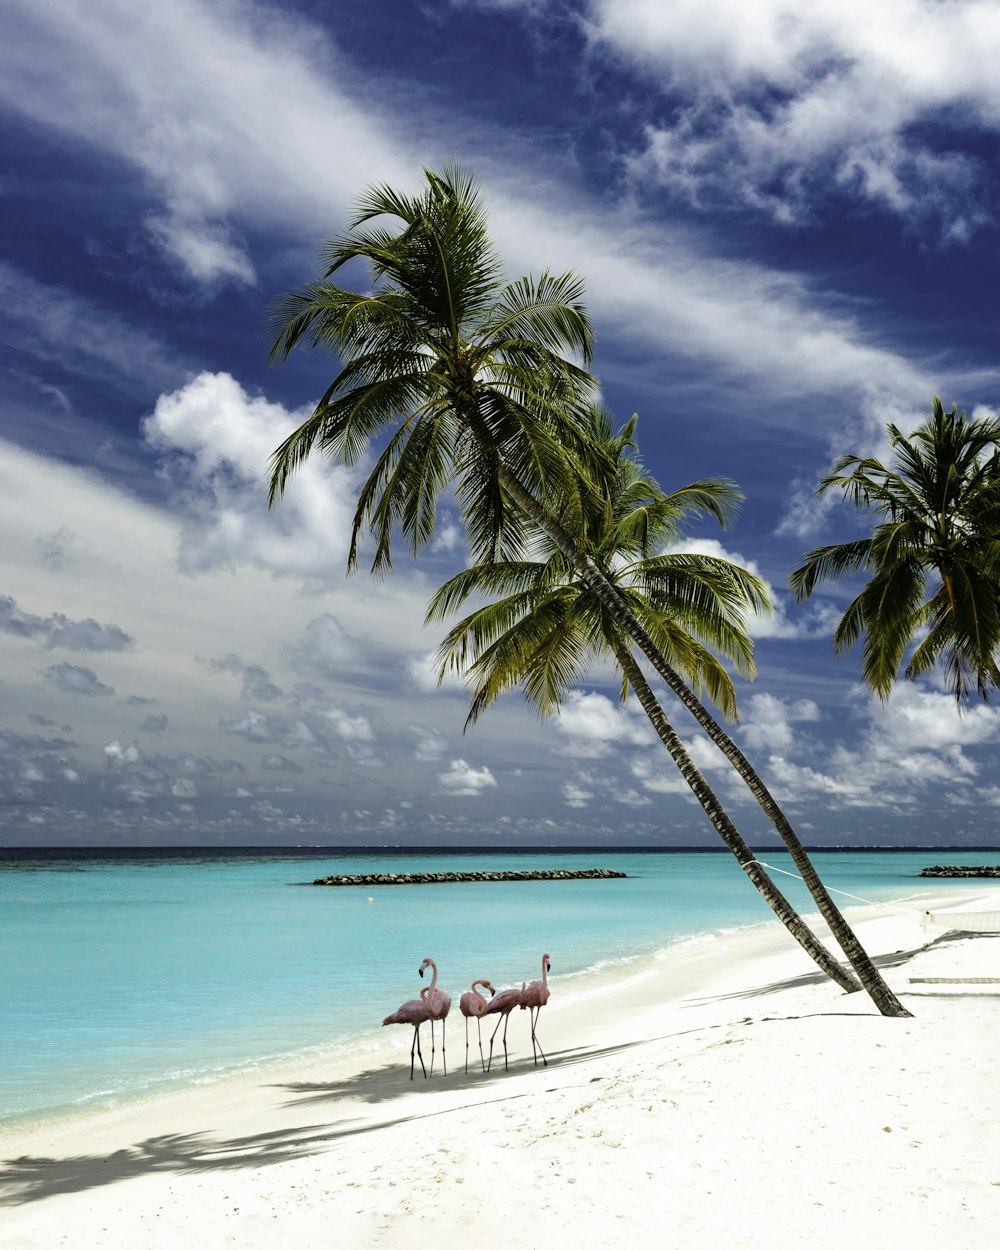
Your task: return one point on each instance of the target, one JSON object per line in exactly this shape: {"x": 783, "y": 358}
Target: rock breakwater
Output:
{"x": 961, "y": 870}
{"x": 440, "y": 878}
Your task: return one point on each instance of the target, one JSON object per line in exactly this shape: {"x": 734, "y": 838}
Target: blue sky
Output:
{"x": 785, "y": 216}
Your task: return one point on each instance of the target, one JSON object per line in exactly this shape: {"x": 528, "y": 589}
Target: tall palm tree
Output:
{"x": 544, "y": 628}
{"x": 933, "y": 555}
{"x": 472, "y": 382}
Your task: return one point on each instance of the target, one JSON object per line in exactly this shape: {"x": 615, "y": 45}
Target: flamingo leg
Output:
{"x": 535, "y": 1043}
{"x": 492, "y": 1036}
{"x": 416, "y": 1048}
{"x": 433, "y": 1047}
{"x": 466, "y": 1045}
{"x": 444, "y": 1057}
{"x": 506, "y": 1021}
{"x": 479, "y": 1030}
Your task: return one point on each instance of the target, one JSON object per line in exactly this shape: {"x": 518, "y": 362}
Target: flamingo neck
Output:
{"x": 545, "y": 971}
{"x": 434, "y": 978}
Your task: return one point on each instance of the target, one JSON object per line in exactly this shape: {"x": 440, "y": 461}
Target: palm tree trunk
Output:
{"x": 880, "y": 993}
{"x": 777, "y": 902}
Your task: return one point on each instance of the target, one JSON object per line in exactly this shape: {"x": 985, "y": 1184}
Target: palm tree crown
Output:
{"x": 933, "y": 555}
{"x": 461, "y": 372}
{"x": 546, "y": 626}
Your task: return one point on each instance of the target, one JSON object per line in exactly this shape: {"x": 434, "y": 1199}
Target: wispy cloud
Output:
{"x": 778, "y": 105}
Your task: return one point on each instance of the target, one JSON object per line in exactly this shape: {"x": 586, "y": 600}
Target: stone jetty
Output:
{"x": 439, "y": 878}
{"x": 961, "y": 870}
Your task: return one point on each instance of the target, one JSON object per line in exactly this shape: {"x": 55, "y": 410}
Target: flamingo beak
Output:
{"x": 420, "y": 970}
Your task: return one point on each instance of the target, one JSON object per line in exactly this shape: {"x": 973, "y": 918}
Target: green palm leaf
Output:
{"x": 933, "y": 555}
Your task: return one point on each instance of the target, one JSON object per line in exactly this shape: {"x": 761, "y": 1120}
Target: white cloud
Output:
{"x": 216, "y": 441}
{"x": 221, "y": 106}
{"x": 630, "y": 797}
{"x": 51, "y": 323}
{"x": 591, "y": 724}
{"x": 325, "y": 648}
{"x": 431, "y": 744}
{"x": 74, "y": 679}
{"x": 816, "y": 620}
{"x": 204, "y": 248}
{"x": 575, "y": 794}
{"x": 58, "y": 630}
{"x": 422, "y": 671}
{"x": 352, "y": 728}
{"x": 783, "y": 101}
{"x": 900, "y": 753}
{"x": 231, "y": 140}
{"x": 464, "y": 780}
{"x": 768, "y": 721}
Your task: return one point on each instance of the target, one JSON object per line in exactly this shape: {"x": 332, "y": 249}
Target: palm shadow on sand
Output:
{"x": 32, "y": 1178}
{"x": 377, "y": 1085}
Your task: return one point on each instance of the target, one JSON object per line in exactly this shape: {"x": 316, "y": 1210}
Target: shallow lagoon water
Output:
{"x": 128, "y": 973}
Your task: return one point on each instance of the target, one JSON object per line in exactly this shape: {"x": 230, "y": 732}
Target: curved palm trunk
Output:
{"x": 770, "y": 893}
{"x": 880, "y": 993}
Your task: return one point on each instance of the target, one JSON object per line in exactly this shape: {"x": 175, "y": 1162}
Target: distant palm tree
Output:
{"x": 544, "y": 627}
{"x": 933, "y": 555}
{"x": 471, "y": 382}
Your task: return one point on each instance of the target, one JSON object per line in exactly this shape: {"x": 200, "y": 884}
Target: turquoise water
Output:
{"x": 121, "y": 977}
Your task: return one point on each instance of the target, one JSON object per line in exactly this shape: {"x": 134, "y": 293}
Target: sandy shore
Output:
{"x": 724, "y": 1097}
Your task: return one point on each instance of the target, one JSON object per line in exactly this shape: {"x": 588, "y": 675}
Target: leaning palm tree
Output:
{"x": 471, "y": 382}
{"x": 933, "y": 555}
{"x": 543, "y": 628}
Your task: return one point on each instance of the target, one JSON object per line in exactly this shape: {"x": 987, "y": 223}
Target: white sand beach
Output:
{"x": 722, "y": 1097}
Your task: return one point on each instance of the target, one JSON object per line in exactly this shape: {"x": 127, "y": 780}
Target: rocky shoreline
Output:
{"x": 961, "y": 870}
{"x": 438, "y": 878}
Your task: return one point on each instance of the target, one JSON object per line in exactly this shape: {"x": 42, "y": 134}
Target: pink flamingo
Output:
{"x": 438, "y": 1004}
{"x": 414, "y": 1012}
{"x": 534, "y": 996}
{"x": 502, "y": 1004}
{"x": 472, "y": 1003}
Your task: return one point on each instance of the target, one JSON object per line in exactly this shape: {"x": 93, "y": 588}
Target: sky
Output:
{"x": 786, "y": 219}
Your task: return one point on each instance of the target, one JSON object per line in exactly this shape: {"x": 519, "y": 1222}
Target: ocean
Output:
{"x": 125, "y": 973}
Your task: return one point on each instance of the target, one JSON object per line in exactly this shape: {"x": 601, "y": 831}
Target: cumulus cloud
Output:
{"x": 29, "y": 760}
{"x": 431, "y": 745}
{"x": 352, "y": 728}
{"x": 257, "y": 684}
{"x": 72, "y": 679}
{"x": 590, "y": 724}
{"x": 325, "y": 648}
{"x": 422, "y": 671}
{"x": 817, "y": 620}
{"x": 58, "y": 630}
{"x": 576, "y": 795}
{"x": 216, "y": 441}
{"x": 155, "y": 724}
{"x": 902, "y": 752}
{"x": 256, "y": 726}
{"x": 279, "y": 764}
{"x": 658, "y": 774}
{"x": 463, "y": 779}
{"x": 768, "y": 721}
